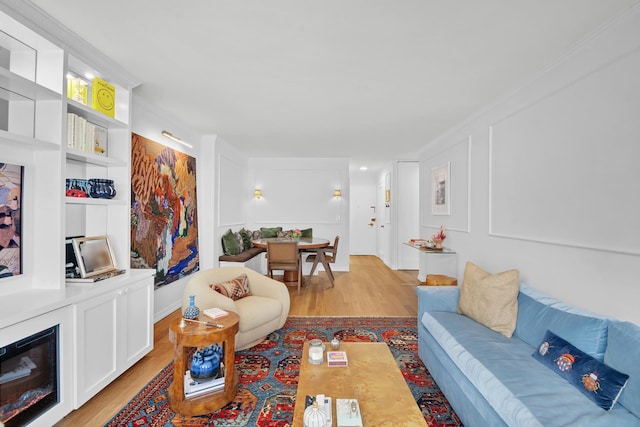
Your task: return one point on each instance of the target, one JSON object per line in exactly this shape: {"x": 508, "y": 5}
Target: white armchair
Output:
{"x": 261, "y": 313}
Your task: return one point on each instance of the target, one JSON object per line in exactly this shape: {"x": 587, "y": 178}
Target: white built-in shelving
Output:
{"x": 33, "y": 133}
{"x": 87, "y": 216}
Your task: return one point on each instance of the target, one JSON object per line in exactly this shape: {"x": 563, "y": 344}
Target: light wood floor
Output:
{"x": 370, "y": 288}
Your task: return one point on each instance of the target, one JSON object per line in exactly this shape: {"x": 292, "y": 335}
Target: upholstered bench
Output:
{"x": 248, "y": 258}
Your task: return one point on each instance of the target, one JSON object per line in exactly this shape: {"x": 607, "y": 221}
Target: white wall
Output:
{"x": 399, "y": 218}
{"x": 407, "y": 197}
{"x": 147, "y": 121}
{"x": 298, "y": 193}
{"x": 232, "y": 195}
{"x": 546, "y": 180}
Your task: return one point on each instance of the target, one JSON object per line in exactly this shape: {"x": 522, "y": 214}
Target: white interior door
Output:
{"x": 363, "y": 218}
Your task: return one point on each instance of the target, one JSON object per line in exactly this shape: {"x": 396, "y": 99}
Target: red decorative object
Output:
{"x": 439, "y": 237}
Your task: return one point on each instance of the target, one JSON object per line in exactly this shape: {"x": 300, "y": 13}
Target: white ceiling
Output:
{"x": 365, "y": 79}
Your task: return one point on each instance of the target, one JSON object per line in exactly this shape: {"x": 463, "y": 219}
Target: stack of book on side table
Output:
{"x": 194, "y": 388}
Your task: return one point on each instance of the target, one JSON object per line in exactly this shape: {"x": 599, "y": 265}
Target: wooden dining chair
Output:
{"x": 326, "y": 256}
{"x": 284, "y": 255}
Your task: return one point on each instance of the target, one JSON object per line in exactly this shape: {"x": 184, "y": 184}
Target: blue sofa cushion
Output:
{"x": 599, "y": 382}
{"x": 538, "y": 312}
{"x": 623, "y": 354}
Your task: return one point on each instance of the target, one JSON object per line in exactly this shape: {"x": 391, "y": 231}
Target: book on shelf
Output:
{"x": 97, "y": 141}
{"x": 103, "y": 97}
{"x": 79, "y": 133}
{"x": 337, "y": 358}
{"x": 348, "y": 413}
{"x": 86, "y": 136}
{"x": 71, "y": 129}
{"x": 215, "y": 312}
{"x": 417, "y": 240}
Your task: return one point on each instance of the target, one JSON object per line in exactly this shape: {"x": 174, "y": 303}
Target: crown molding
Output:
{"x": 33, "y": 17}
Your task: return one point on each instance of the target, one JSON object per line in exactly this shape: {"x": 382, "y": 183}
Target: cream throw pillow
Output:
{"x": 490, "y": 299}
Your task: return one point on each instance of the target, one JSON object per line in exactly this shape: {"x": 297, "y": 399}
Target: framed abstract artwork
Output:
{"x": 10, "y": 219}
{"x": 441, "y": 189}
{"x": 164, "y": 215}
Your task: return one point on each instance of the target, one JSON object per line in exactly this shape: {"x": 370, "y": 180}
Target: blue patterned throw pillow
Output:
{"x": 599, "y": 382}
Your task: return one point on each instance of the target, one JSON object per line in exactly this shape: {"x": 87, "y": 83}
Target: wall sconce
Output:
{"x": 175, "y": 138}
{"x": 257, "y": 193}
{"x": 337, "y": 194}
{"x": 387, "y": 198}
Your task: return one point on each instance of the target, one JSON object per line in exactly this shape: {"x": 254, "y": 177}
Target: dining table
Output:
{"x": 305, "y": 244}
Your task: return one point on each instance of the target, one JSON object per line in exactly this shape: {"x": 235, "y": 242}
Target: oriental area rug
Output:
{"x": 268, "y": 376}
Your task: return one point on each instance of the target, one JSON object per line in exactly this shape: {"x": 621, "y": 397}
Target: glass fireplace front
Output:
{"x": 29, "y": 377}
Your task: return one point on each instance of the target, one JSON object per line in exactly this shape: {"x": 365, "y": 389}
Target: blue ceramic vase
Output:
{"x": 191, "y": 312}
{"x": 205, "y": 363}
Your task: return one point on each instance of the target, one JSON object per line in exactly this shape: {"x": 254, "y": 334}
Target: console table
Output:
{"x": 200, "y": 335}
{"x": 436, "y": 261}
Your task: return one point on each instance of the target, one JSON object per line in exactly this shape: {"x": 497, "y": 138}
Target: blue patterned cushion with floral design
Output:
{"x": 599, "y": 382}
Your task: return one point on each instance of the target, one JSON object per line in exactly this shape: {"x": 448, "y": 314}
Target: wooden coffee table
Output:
{"x": 383, "y": 394}
{"x": 199, "y": 335}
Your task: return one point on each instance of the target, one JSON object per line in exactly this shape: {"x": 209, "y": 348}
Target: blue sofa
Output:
{"x": 491, "y": 380}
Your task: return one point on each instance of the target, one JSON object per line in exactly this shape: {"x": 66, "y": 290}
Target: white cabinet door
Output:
{"x": 137, "y": 311}
{"x": 113, "y": 331}
{"x": 96, "y": 345}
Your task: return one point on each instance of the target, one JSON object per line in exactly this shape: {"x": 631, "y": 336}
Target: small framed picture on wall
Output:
{"x": 441, "y": 189}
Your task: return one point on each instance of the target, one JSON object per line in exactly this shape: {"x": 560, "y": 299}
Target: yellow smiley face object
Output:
{"x": 105, "y": 99}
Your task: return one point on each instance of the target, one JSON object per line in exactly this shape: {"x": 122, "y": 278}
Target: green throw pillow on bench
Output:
{"x": 269, "y": 232}
{"x": 246, "y": 239}
{"x": 230, "y": 244}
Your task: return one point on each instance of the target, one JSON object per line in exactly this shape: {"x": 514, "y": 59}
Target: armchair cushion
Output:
{"x": 256, "y": 311}
{"x": 236, "y": 288}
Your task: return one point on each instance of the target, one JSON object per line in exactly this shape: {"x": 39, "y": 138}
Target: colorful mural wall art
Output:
{"x": 164, "y": 217}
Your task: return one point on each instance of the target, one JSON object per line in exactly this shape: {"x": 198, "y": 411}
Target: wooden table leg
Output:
{"x": 326, "y": 266}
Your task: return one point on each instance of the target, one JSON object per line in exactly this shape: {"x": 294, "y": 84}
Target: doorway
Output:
{"x": 363, "y": 218}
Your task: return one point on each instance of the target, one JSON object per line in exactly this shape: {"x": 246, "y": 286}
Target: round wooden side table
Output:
{"x": 199, "y": 335}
